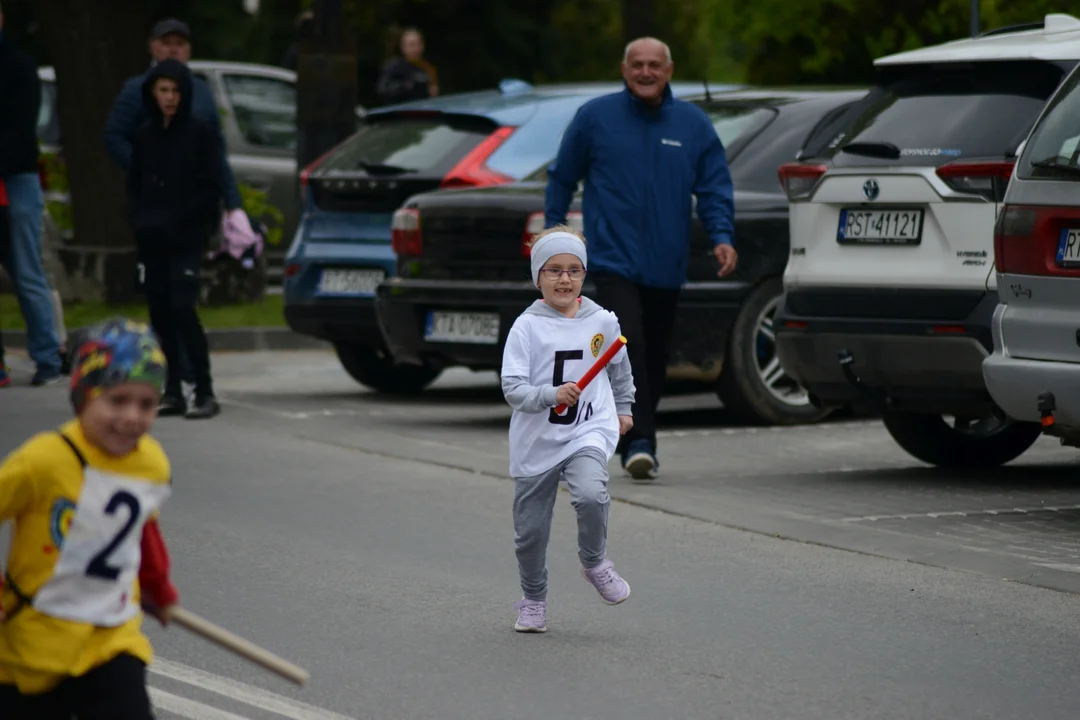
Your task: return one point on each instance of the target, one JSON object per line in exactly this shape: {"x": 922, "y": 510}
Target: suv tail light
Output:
{"x": 800, "y": 179}
{"x": 472, "y": 170}
{"x": 988, "y": 179}
{"x": 1038, "y": 240}
{"x": 535, "y": 224}
{"x": 405, "y": 233}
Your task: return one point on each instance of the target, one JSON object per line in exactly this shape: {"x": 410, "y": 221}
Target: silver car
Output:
{"x": 258, "y": 108}
{"x": 1034, "y": 371}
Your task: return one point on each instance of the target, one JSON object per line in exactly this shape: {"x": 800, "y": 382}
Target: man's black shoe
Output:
{"x": 204, "y": 407}
{"x": 171, "y": 405}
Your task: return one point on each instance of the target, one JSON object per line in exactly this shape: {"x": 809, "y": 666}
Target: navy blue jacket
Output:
{"x": 20, "y": 98}
{"x": 128, "y": 115}
{"x": 641, "y": 165}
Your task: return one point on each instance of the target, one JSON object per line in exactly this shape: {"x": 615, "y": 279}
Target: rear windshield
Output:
{"x": 1055, "y": 141}
{"x": 936, "y": 114}
{"x": 734, "y": 124}
{"x": 430, "y": 144}
{"x": 737, "y": 124}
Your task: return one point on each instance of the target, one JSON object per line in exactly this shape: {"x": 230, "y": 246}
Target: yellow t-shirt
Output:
{"x": 40, "y": 483}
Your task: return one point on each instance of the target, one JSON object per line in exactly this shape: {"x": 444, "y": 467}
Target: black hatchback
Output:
{"x": 463, "y": 269}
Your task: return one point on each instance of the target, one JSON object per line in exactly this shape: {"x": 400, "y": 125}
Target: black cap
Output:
{"x": 169, "y": 26}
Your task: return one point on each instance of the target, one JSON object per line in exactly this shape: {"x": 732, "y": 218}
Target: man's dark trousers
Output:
{"x": 646, "y": 316}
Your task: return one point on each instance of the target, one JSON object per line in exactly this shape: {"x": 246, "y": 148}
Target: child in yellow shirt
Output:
{"x": 86, "y": 550}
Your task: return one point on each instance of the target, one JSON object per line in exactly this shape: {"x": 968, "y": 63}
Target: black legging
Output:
{"x": 170, "y": 280}
{"x": 174, "y": 318}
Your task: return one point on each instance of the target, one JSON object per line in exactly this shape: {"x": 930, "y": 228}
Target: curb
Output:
{"x": 246, "y": 339}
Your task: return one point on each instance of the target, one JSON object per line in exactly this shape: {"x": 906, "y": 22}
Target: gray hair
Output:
{"x": 667, "y": 50}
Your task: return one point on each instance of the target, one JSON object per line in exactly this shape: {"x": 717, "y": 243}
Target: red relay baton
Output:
{"x": 599, "y": 365}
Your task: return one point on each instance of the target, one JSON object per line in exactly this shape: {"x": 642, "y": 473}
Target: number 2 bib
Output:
{"x": 94, "y": 575}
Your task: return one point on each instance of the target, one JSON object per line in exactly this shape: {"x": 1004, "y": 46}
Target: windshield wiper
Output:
{"x": 1053, "y": 164}
{"x": 873, "y": 149}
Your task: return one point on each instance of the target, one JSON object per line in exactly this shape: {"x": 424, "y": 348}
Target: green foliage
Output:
{"x": 56, "y": 181}
{"x": 257, "y": 204}
{"x": 836, "y": 41}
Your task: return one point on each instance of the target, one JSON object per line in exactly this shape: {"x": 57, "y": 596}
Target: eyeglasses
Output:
{"x": 556, "y": 273}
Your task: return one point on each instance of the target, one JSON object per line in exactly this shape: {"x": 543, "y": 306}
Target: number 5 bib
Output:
{"x": 95, "y": 574}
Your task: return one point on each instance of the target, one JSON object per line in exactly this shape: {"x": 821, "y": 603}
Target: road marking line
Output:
{"x": 962, "y": 513}
{"x": 189, "y": 709}
{"x": 236, "y": 690}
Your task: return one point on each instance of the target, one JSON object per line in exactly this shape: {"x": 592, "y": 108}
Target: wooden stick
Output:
{"x": 597, "y": 366}
{"x": 238, "y": 645}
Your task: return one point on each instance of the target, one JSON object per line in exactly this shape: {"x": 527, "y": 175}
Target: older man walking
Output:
{"x": 20, "y": 100}
{"x": 642, "y": 155}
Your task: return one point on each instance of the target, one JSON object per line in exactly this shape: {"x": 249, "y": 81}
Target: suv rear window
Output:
{"x": 1056, "y": 139}
{"x": 429, "y": 144}
{"x": 936, "y": 114}
{"x": 737, "y": 124}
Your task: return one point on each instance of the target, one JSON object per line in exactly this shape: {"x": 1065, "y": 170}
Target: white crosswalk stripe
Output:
{"x": 190, "y": 709}
{"x": 233, "y": 690}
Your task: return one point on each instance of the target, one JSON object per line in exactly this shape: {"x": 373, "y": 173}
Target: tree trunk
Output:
{"x": 95, "y": 46}
{"x": 639, "y": 19}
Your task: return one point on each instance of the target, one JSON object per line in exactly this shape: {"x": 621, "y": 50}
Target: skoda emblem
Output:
{"x": 870, "y": 189}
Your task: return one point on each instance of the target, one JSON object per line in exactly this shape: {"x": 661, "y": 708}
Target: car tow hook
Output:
{"x": 875, "y": 396}
{"x": 1047, "y": 405}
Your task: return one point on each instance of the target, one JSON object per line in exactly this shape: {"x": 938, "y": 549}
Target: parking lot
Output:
{"x": 844, "y": 483}
{"x": 368, "y": 539}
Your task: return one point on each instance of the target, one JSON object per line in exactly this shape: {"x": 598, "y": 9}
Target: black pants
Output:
{"x": 113, "y": 691}
{"x": 646, "y": 316}
{"x": 170, "y": 280}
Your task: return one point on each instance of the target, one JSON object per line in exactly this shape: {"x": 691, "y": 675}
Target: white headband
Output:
{"x": 554, "y": 244}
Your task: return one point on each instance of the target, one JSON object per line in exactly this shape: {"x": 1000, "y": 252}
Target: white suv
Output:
{"x": 890, "y": 288}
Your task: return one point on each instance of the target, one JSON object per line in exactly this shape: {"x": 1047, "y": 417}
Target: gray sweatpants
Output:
{"x": 586, "y": 475}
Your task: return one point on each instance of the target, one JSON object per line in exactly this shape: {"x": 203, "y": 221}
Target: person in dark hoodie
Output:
{"x": 175, "y": 192}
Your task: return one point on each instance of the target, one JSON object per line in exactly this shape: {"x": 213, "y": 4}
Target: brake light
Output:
{"x": 306, "y": 173}
{"x": 800, "y": 179}
{"x": 472, "y": 170}
{"x": 535, "y": 224}
{"x": 405, "y": 233}
{"x": 292, "y": 270}
{"x": 988, "y": 179}
{"x": 43, "y": 174}
{"x": 1038, "y": 240}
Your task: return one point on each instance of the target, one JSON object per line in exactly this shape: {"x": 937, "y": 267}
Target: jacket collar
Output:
{"x": 639, "y": 106}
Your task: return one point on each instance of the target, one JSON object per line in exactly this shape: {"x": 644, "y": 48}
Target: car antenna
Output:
{"x": 708, "y": 95}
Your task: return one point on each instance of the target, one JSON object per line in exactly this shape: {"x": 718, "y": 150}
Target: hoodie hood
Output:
{"x": 541, "y": 308}
{"x": 176, "y": 71}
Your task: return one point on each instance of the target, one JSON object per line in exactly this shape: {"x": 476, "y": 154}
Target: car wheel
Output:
{"x": 374, "y": 368}
{"x": 753, "y": 385}
{"x": 966, "y": 442}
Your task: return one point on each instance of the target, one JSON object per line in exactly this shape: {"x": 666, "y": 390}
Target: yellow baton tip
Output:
{"x": 622, "y": 339}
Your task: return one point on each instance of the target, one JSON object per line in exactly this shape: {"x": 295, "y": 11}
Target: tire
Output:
{"x": 374, "y": 368}
{"x": 987, "y": 442}
{"x": 751, "y": 351}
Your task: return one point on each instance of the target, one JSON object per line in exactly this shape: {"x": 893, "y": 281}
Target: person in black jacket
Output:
{"x": 20, "y": 99}
{"x": 175, "y": 192}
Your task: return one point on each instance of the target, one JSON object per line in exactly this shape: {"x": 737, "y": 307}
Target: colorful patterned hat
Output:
{"x": 117, "y": 351}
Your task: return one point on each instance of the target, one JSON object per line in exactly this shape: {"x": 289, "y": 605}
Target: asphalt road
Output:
{"x": 369, "y": 540}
